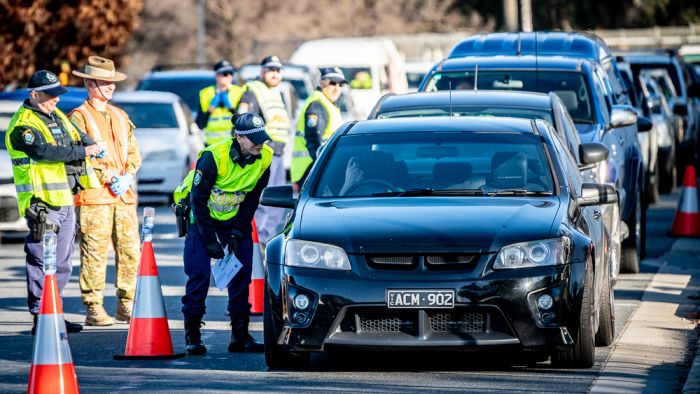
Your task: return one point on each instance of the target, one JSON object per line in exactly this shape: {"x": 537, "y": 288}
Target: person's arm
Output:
{"x": 315, "y": 121}
{"x": 204, "y": 180}
{"x": 133, "y": 156}
{"x": 246, "y": 211}
{"x": 97, "y": 164}
{"x": 202, "y": 119}
{"x": 33, "y": 144}
{"x": 249, "y": 103}
{"x": 79, "y": 123}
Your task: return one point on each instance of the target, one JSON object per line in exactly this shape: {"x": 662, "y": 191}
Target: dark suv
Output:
{"x": 595, "y": 105}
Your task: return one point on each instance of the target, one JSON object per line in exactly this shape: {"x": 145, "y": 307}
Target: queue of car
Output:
{"x": 494, "y": 208}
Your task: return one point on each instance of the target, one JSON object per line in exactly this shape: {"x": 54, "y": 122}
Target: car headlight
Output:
{"x": 540, "y": 253}
{"x": 160, "y": 155}
{"x": 309, "y": 254}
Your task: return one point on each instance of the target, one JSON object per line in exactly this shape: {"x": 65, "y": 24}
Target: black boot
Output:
{"x": 193, "y": 337}
{"x": 241, "y": 340}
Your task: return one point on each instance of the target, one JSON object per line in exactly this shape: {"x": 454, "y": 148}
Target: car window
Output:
{"x": 359, "y": 77}
{"x": 150, "y": 115}
{"x": 187, "y": 88}
{"x": 603, "y": 103}
{"x": 670, "y": 68}
{"x": 569, "y": 86}
{"x": 570, "y": 166}
{"x": 469, "y": 110}
{"x": 572, "y": 140}
{"x": 362, "y": 165}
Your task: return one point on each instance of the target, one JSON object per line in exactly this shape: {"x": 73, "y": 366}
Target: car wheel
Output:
{"x": 653, "y": 185}
{"x": 633, "y": 245}
{"x": 276, "y": 357}
{"x": 582, "y": 354}
{"x": 606, "y": 325}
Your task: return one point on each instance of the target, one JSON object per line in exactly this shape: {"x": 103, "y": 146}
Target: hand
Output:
{"x": 214, "y": 102}
{"x": 233, "y": 244}
{"x": 225, "y": 100}
{"x": 93, "y": 150}
{"x": 214, "y": 250}
{"x": 121, "y": 184}
{"x": 221, "y": 99}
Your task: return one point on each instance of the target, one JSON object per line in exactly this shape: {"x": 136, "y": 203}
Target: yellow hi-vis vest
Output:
{"x": 273, "y": 110}
{"x": 301, "y": 158}
{"x": 47, "y": 181}
{"x": 219, "y": 125}
{"x": 233, "y": 182}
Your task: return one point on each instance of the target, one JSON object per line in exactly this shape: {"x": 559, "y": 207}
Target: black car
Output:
{"x": 440, "y": 233}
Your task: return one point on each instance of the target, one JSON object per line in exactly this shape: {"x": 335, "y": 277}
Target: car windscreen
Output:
{"x": 187, "y": 89}
{"x": 435, "y": 163}
{"x": 571, "y": 87}
{"x": 468, "y": 110}
{"x": 672, "y": 72}
{"x": 150, "y": 115}
{"x": 359, "y": 77}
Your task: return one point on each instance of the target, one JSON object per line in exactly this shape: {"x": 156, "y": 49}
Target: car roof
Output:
{"x": 184, "y": 74}
{"x": 542, "y": 43}
{"x": 512, "y": 62}
{"x": 145, "y": 96}
{"x": 646, "y": 57}
{"x": 466, "y": 97}
{"x": 443, "y": 123}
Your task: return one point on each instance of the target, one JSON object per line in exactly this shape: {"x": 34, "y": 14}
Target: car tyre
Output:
{"x": 606, "y": 325}
{"x": 633, "y": 246}
{"x": 582, "y": 354}
{"x": 276, "y": 357}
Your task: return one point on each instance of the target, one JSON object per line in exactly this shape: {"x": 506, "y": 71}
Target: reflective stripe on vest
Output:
{"x": 148, "y": 293}
{"x": 96, "y": 129}
{"x": 273, "y": 109}
{"x": 47, "y": 181}
{"x": 301, "y": 158}
{"x": 219, "y": 124}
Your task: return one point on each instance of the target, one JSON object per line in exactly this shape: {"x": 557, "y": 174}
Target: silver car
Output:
{"x": 10, "y": 221}
{"x": 169, "y": 140}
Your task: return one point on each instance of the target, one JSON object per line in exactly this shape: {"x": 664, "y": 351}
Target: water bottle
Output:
{"x": 149, "y": 216}
{"x": 50, "y": 240}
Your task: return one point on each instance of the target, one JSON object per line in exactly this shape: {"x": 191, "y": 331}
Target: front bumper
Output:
{"x": 495, "y": 311}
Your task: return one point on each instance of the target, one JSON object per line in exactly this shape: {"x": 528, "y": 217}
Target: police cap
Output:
{"x": 47, "y": 82}
{"x": 333, "y": 74}
{"x": 272, "y": 62}
{"x": 223, "y": 67}
{"x": 251, "y": 126}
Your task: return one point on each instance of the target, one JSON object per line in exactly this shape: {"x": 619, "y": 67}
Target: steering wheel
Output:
{"x": 372, "y": 181}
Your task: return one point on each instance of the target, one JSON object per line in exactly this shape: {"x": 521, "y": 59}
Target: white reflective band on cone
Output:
{"x": 689, "y": 200}
{"x": 51, "y": 342}
{"x": 148, "y": 302}
{"x": 258, "y": 272}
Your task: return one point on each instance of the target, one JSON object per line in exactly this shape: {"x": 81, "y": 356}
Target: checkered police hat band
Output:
{"x": 251, "y": 131}
{"x": 333, "y": 75}
{"x": 47, "y": 87}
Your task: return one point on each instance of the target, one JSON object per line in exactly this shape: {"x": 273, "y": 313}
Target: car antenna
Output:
{"x": 476, "y": 77}
{"x": 449, "y": 84}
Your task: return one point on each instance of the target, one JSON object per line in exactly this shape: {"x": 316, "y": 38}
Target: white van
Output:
{"x": 372, "y": 65}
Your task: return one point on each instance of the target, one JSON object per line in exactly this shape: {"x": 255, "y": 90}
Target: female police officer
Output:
{"x": 225, "y": 191}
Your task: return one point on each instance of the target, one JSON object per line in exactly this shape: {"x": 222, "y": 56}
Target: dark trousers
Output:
{"x": 65, "y": 217}
{"x": 198, "y": 271}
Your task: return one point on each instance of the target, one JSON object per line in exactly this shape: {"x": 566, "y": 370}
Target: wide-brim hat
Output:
{"x": 101, "y": 69}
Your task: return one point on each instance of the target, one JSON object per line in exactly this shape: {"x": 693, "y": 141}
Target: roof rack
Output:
{"x": 184, "y": 66}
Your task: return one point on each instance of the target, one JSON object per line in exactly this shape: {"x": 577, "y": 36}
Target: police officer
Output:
{"x": 225, "y": 189}
{"x": 320, "y": 118}
{"x": 107, "y": 214}
{"x": 262, "y": 97}
{"x": 50, "y": 164}
{"x": 217, "y": 104}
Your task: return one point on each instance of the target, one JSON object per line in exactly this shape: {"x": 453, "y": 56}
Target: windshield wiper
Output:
{"x": 518, "y": 192}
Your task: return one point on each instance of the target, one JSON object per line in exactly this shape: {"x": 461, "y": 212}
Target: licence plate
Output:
{"x": 420, "y": 298}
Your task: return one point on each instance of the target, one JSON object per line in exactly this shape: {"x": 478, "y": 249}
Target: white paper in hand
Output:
{"x": 225, "y": 269}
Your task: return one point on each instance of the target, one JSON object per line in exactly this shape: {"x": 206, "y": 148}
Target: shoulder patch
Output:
{"x": 197, "y": 177}
{"x": 28, "y": 137}
{"x": 312, "y": 120}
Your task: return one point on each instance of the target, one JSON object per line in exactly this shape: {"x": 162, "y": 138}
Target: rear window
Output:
{"x": 571, "y": 87}
{"x": 150, "y": 115}
{"x": 458, "y": 162}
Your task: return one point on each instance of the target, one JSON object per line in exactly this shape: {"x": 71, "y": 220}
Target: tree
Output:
{"x": 41, "y": 34}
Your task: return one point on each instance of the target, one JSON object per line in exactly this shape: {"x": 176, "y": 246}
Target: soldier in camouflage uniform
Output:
{"x": 107, "y": 214}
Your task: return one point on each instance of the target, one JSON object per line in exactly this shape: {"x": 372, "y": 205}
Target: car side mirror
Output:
{"x": 592, "y": 153}
{"x": 622, "y": 115}
{"x": 278, "y": 196}
{"x": 644, "y": 124}
{"x": 680, "y": 109}
{"x": 597, "y": 194}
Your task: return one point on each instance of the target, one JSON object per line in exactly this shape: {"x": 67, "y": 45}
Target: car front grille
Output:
{"x": 386, "y": 323}
{"x": 8, "y": 209}
{"x": 449, "y": 261}
{"x": 393, "y": 260}
{"x": 457, "y": 322}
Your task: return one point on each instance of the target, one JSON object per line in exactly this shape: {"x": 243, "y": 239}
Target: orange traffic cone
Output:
{"x": 686, "y": 220}
{"x": 52, "y": 368}
{"x": 257, "y": 283}
{"x": 149, "y": 334}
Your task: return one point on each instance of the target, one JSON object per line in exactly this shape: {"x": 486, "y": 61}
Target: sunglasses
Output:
{"x": 226, "y": 74}
{"x": 334, "y": 83}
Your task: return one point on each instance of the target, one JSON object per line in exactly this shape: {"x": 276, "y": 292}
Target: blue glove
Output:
{"x": 121, "y": 184}
{"x": 225, "y": 100}
{"x": 215, "y": 101}
{"x": 102, "y": 154}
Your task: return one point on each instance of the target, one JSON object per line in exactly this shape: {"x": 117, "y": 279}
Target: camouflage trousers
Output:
{"x": 100, "y": 225}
